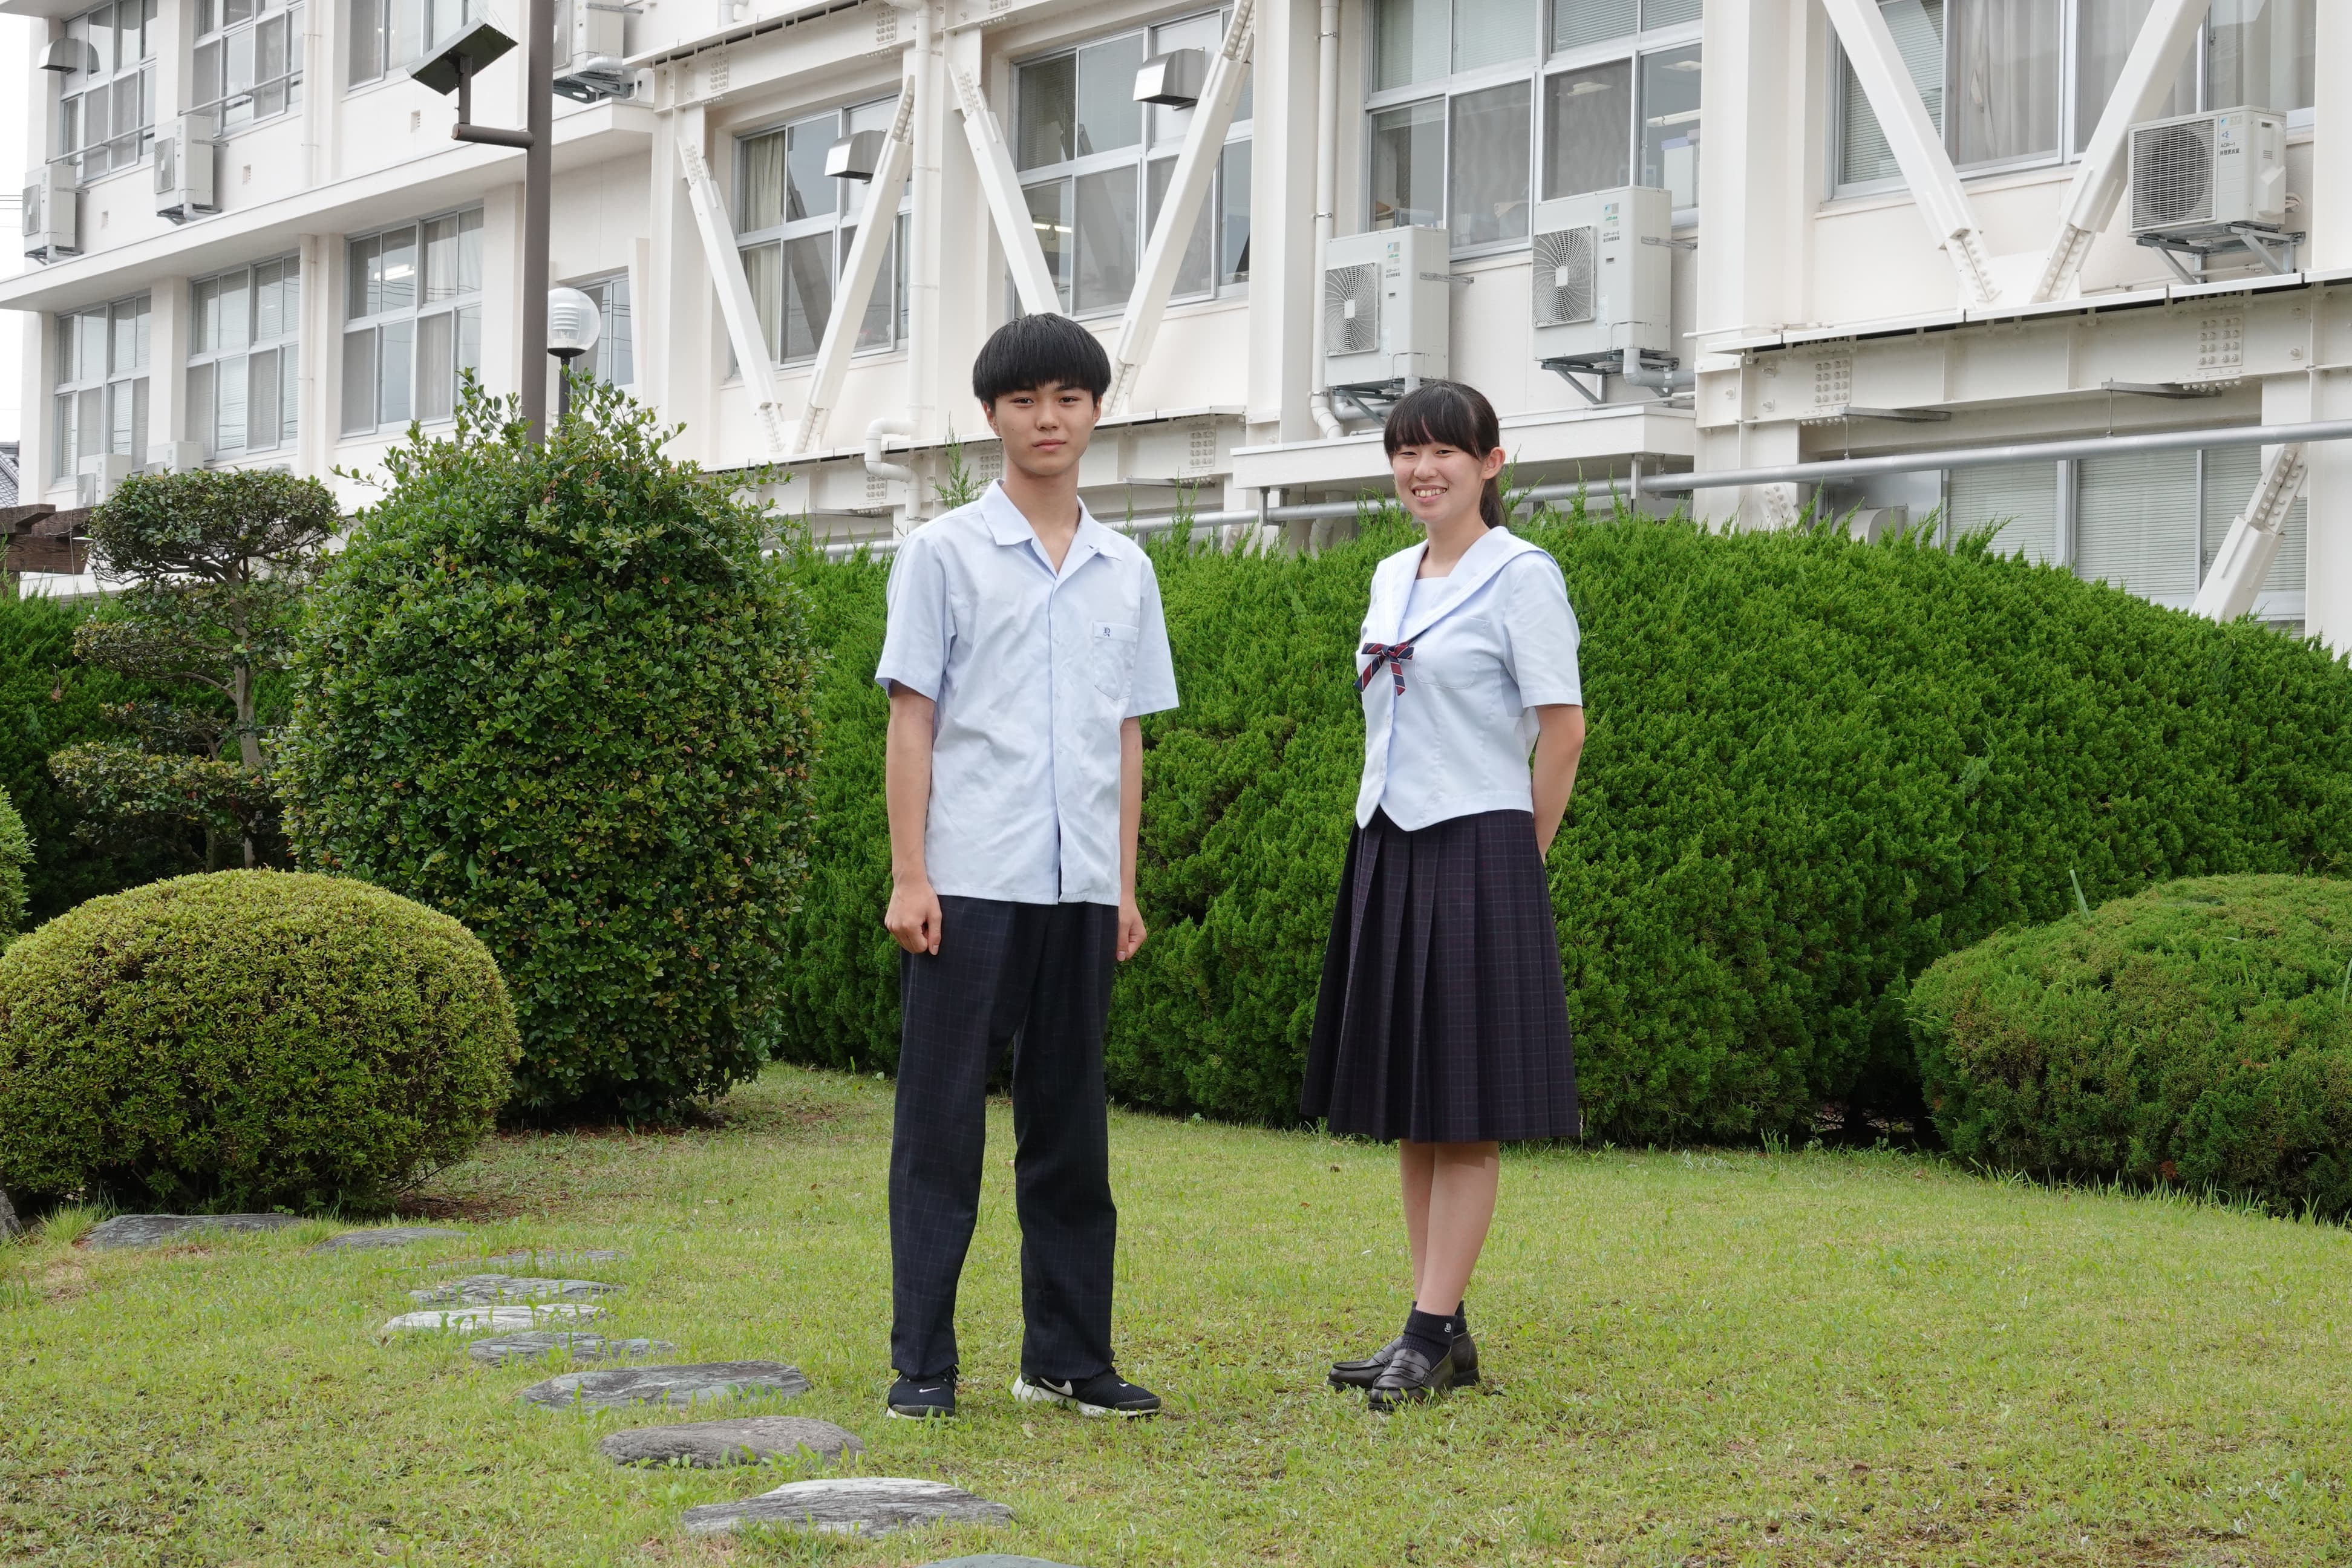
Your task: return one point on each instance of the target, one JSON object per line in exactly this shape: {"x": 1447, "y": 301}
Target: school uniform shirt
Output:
{"x": 1490, "y": 644}
{"x": 1034, "y": 671}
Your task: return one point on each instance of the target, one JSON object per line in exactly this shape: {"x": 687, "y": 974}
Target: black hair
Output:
{"x": 1029, "y": 352}
{"x": 1449, "y": 413}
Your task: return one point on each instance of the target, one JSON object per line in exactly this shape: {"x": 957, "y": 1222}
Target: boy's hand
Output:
{"x": 913, "y": 917}
{"x": 1130, "y": 930}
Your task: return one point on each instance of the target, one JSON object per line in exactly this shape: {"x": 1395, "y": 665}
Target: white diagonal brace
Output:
{"x": 1180, "y": 205}
{"x": 875, "y": 226}
{"x": 2151, "y": 68}
{"x": 1918, "y": 146}
{"x": 1033, "y": 280}
{"x": 2253, "y": 539}
{"x": 735, "y": 305}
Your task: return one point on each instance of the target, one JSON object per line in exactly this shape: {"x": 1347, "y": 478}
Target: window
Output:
{"x": 1993, "y": 76}
{"x": 101, "y": 391}
{"x": 388, "y": 35}
{"x": 243, "y": 365}
{"x": 105, "y": 111}
{"x": 413, "y": 322}
{"x": 796, "y": 226}
{"x": 248, "y": 60}
{"x": 2020, "y": 498}
{"x": 1096, "y": 165}
{"x": 614, "y": 359}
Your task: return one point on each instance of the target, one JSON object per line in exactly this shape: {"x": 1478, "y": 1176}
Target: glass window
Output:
{"x": 1409, "y": 165}
{"x": 248, "y": 60}
{"x": 391, "y": 34}
{"x": 1670, "y": 123}
{"x": 99, "y": 403}
{"x": 105, "y": 111}
{"x": 1576, "y": 23}
{"x": 1412, "y": 41}
{"x": 1862, "y": 151}
{"x": 2135, "y": 523}
{"x": 2104, "y": 31}
{"x": 243, "y": 366}
{"x": 412, "y": 322}
{"x": 796, "y": 226}
{"x": 2262, "y": 53}
{"x": 1493, "y": 32}
{"x": 2231, "y": 475}
{"x": 614, "y": 359}
{"x": 1094, "y": 168}
{"x": 1487, "y": 165}
{"x": 2006, "y": 59}
{"x": 1588, "y": 127}
{"x": 2018, "y": 499}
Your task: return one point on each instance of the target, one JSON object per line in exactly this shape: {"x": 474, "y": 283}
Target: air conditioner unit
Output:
{"x": 1386, "y": 304}
{"x": 50, "y": 231}
{"x": 99, "y": 477}
{"x": 1603, "y": 275}
{"x": 2207, "y": 171}
{"x": 183, "y": 170}
{"x": 589, "y": 47}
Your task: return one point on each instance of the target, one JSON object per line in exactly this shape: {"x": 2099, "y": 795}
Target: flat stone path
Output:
{"x": 675, "y": 1385}
{"x": 852, "y": 1505}
{"x": 386, "y": 1235}
{"x": 155, "y": 1229}
{"x": 489, "y": 1290}
{"x": 529, "y": 1259}
{"x": 497, "y": 1319}
{"x": 995, "y": 1560}
{"x": 582, "y": 1347}
{"x": 711, "y": 1445}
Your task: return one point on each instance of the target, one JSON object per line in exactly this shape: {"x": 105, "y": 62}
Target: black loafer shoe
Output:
{"x": 922, "y": 1398}
{"x": 1409, "y": 1378}
{"x": 1105, "y": 1394}
{"x": 1365, "y": 1372}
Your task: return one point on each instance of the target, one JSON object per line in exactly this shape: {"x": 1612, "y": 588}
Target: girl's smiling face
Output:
{"x": 1438, "y": 483}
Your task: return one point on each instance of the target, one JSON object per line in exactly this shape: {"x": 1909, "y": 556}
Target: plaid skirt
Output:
{"x": 1443, "y": 1017}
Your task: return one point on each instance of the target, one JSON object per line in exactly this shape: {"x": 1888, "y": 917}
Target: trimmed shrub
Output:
{"x": 2199, "y": 1032}
{"x": 16, "y": 854}
{"x": 248, "y": 1039}
{"x": 560, "y": 693}
{"x": 1814, "y": 767}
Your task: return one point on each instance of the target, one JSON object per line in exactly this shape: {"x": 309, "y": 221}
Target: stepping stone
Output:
{"x": 495, "y": 1318}
{"x": 10, "y": 1224}
{"x": 582, "y": 1347}
{"x": 680, "y": 1386}
{"x": 710, "y": 1445}
{"x": 388, "y": 1235}
{"x": 995, "y": 1560}
{"x": 489, "y": 1290}
{"x": 539, "y": 1259}
{"x": 154, "y": 1229}
{"x": 853, "y": 1505}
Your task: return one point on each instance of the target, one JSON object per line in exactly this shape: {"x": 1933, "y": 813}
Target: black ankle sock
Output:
{"x": 1427, "y": 1333}
{"x": 1459, "y": 1324}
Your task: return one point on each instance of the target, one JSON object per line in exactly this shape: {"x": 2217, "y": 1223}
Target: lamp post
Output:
{"x": 574, "y": 325}
{"x": 451, "y": 69}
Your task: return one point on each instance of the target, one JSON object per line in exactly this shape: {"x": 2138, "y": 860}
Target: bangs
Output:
{"x": 1442, "y": 414}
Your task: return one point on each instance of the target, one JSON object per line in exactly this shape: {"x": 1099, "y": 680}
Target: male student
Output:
{"x": 1025, "y": 642}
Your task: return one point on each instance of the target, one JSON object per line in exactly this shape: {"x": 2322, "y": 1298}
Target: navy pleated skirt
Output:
{"x": 1443, "y": 1017}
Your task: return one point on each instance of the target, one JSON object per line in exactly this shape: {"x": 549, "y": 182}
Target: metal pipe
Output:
{"x": 537, "y": 181}
{"x": 1327, "y": 204}
{"x": 1992, "y": 456}
{"x": 874, "y": 465}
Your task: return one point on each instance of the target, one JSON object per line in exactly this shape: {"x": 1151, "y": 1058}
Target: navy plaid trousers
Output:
{"x": 1036, "y": 977}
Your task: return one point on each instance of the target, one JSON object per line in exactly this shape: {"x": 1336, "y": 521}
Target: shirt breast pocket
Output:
{"x": 1112, "y": 658}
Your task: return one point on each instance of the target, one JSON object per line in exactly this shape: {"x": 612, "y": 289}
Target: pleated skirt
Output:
{"x": 1443, "y": 1017}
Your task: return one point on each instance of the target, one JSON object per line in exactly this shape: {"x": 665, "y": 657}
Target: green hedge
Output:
{"x": 1813, "y": 768}
{"x": 246, "y": 1040}
{"x": 2199, "y": 1032}
{"x": 16, "y": 854}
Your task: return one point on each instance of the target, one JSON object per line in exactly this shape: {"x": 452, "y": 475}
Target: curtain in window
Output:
{"x": 2264, "y": 53}
{"x": 1487, "y": 174}
{"x": 2136, "y": 523}
{"x": 2020, "y": 500}
{"x": 762, "y": 199}
{"x": 763, "y": 270}
{"x": 2105, "y": 31}
{"x": 2006, "y": 80}
{"x": 1918, "y": 29}
{"x": 1576, "y": 23}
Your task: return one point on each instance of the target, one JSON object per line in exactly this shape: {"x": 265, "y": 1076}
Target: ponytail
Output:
{"x": 1490, "y": 502}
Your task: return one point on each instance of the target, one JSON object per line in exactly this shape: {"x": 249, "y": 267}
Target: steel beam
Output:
{"x": 2164, "y": 40}
{"x": 2253, "y": 539}
{"x": 1032, "y": 279}
{"x": 1917, "y": 145}
{"x": 875, "y": 226}
{"x": 1180, "y": 205}
{"x": 735, "y": 305}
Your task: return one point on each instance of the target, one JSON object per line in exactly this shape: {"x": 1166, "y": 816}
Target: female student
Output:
{"x": 1443, "y": 1020}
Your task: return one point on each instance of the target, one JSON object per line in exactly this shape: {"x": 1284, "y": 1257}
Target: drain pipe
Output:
{"x": 875, "y": 433}
{"x": 1667, "y": 382}
{"x": 1327, "y": 201}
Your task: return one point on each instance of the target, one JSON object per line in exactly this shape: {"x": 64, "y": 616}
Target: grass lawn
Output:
{"x": 1694, "y": 1358}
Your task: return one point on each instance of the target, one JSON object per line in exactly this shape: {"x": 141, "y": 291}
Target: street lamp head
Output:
{"x": 464, "y": 54}
{"x": 573, "y": 323}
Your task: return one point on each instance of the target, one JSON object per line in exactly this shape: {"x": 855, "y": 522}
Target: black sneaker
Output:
{"x": 918, "y": 1398}
{"x": 1365, "y": 1372}
{"x": 1105, "y": 1394}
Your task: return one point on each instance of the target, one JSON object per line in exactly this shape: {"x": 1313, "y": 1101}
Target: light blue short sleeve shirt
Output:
{"x": 1032, "y": 671}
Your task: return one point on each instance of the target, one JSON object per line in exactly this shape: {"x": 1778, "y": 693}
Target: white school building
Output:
{"x": 1672, "y": 239}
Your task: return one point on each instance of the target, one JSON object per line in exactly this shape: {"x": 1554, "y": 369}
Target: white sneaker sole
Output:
{"x": 1028, "y": 1392}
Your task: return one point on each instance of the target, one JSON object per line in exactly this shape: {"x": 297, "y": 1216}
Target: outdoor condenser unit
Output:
{"x": 1386, "y": 303}
{"x": 1603, "y": 275}
{"x": 49, "y": 228}
{"x": 2207, "y": 171}
{"x": 183, "y": 170}
{"x": 589, "y": 46}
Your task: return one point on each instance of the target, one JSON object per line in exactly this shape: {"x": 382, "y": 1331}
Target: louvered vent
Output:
{"x": 1351, "y": 308}
{"x": 1564, "y": 277}
{"x": 2172, "y": 175}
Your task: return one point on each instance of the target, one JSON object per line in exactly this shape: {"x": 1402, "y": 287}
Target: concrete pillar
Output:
{"x": 325, "y": 49}
{"x": 679, "y": 348}
{"x": 167, "y": 367}
{"x": 2328, "y": 588}
{"x": 1284, "y": 282}
{"x": 320, "y": 359}
{"x": 2328, "y": 581}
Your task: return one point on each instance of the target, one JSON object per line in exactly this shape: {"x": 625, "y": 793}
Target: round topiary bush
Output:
{"x": 560, "y": 693}
{"x": 16, "y": 855}
{"x": 248, "y": 1039}
{"x": 2199, "y": 1032}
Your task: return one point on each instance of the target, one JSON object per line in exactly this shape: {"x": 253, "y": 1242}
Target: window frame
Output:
{"x": 75, "y": 89}
{"x": 395, "y": 53}
{"x": 458, "y": 306}
{"x": 285, "y": 346}
{"x": 224, "y": 39}
{"x": 837, "y": 221}
{"x": 600, "y": 288}
{"x": 71, "y": 393}
{"x": 1158, "y": 143}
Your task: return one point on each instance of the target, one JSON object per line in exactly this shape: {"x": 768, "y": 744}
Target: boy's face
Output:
{"x": 1044, "y": 429}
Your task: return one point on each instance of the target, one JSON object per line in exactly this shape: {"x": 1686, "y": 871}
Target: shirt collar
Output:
{"x": 1007, "y": 526}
